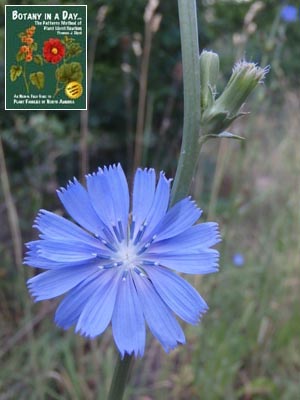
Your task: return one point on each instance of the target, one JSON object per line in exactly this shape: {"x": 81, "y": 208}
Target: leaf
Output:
{"x": 34, "y": 46}
{"x": 67, "y": 39}
{"x": 73, "y": 49}
{"x": 37, "y": 79}
{"x": 15, "y": 72}
{"x": 38, "y": 59}
{"x": 69, "y": 72}
{"x": 20, "y": 56}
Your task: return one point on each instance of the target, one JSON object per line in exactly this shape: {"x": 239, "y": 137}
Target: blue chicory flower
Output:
{"x": 118, "y": 267}
{"x": 238, "y": 259}
{"x": 289, "y": 13}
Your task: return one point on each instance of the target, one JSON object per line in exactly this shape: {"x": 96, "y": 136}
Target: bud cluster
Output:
{"x": 218, "y": 113}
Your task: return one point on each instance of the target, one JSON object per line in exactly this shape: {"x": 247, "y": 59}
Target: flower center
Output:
{"x": 54, "y": 50}
{"x": 127, "y": 255}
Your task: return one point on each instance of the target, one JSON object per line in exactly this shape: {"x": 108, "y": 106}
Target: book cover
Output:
{"x": 45, "y": 57}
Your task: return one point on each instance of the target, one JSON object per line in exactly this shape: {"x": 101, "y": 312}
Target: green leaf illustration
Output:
{"x": 73, "y": 49}
{"x": 15, "y": 72}
{"x": 37, "y": 79}
{"x": 20, "y": 56}
{"x": 38, "y": 59}
{"x": 69, "y": 72}
{"x": 67, "y": 39}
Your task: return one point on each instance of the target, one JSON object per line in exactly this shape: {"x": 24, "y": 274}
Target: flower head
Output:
{"x": 24, "y": 49}
{"x": 289, "y": 13}
{"x": 28, "y": 57}
{"x": 30, "y": 31}
{"x": 117, "y": 267}
{"x": 53, "y": 50}
{"x": 238, "y": 259}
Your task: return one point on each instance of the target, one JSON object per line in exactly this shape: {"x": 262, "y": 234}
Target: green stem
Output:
{"x": 56, "y": 86}
{"x": 191, "y": 145}
{"x": 120, "y": 378}
{"x": 25, "y": 79}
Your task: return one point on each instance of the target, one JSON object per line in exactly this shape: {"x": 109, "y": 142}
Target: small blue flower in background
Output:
{"x": 117, "y": 267}
{"x": 238, "y": 259}
{"x": 289, "y": 13}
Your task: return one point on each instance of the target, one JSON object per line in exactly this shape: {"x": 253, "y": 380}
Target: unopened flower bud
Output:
{"x": 209, "y": 72}
{"x": 244, "y": 79}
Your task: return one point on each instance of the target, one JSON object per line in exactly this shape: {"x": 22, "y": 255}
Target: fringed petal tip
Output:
{"x": 33, "y": 293}
{"x": 168, "y": 348}
{"x": 145, "y": 170}
{"x": 136, "y": 353}
{"x": 82, "y": 332}
{"x": 216, "y": 230}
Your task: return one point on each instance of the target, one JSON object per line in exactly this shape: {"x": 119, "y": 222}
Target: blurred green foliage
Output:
{"x": 248, "y": 345}
{"x": 222, "y": 27}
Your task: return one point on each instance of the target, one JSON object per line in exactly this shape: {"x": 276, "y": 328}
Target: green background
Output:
{"x": 13, "y": 43}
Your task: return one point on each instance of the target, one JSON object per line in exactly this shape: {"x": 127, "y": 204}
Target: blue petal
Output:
{"x": 203, "y": 262}
{"x": 178, "y": 294}
{"x": 158, "y": 315}
{"x": 54, "y": 283}
{"x": 70, "y": 308}
{"x": 178, "y": 219}
{"x": 128, "y": 321}
{"x": 70, "y": 251}
{"x": 143, "y": 195}
{"x": 120, "y": 193}
{"x": 35, "y": 261}
{"x": 78, "y": 204}
{"x": 160, "y": 204}
{"x": 197, "y": 237}
{"x": 53, "y": 226}
{"x": 108, "y": 191}
{"x": 97, "y": 313}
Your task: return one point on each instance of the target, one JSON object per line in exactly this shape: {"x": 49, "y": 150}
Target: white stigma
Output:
{"x": 128, "y": 256}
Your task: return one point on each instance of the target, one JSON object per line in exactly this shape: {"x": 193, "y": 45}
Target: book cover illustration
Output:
{"x": 45, "y": 57}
